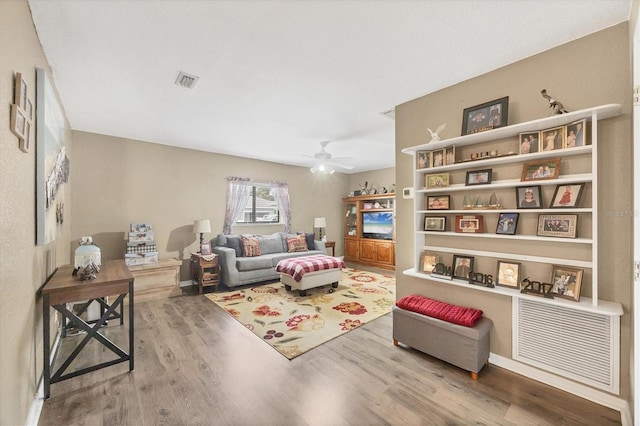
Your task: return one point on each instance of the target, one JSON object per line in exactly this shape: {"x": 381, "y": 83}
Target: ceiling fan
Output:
{"x": 326, "y": 163}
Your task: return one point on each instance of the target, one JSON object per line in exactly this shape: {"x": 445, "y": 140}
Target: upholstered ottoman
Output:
{"x": 303, "y": 273}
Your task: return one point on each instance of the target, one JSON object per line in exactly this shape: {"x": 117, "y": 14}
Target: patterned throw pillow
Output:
{"x": 298, "y": 243}
{"x": 250, "y": 246}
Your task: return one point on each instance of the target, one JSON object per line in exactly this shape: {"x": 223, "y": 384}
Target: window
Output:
{"x": 262, "y": 206}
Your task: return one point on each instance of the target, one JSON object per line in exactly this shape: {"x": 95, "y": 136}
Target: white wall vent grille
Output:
{"x": 186, "y": 80}
{"x": 580, "y": 345}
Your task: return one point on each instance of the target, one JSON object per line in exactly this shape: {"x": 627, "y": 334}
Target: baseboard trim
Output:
{"x": 574, "y": 388}
{"x": 36, "y": 406}
{"x": 187, "y": 283}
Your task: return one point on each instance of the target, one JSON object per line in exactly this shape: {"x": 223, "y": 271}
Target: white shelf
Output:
{"x": 511, "y": 183}
{"x": 496, "y": 211}
{"x": 511, "y": 237}
{"x": 602, "y": 112}
{"x": 511, "y": 256}
{"x": 585, "y": 304}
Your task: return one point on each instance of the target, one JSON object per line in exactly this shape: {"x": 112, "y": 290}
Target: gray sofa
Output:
{"x": 237, "y": 269}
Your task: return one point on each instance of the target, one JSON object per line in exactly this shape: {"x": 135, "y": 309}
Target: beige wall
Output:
{"x": 24, "y": 267}
{"x": 591, "y": 71}
{"x": 121, "y": 181}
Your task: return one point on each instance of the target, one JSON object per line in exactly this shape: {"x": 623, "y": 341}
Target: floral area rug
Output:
{"x": 293, "y": 325}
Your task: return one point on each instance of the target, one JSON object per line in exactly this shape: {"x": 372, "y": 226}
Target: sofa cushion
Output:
{"x": 270, "y": 244}
{"x": 310, "y": 237}
{"x": 296, "y": 244}
{"x": 234, "y": 242}
{"x": 254, "y": 263}
{"x": 250, "y": 246}
{"x": 443, "y": 311}
{"x": 277, "y": 257}
{"x": 284, "y": 237}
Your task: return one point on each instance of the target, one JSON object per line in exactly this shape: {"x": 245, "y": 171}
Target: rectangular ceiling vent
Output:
{"x": 186, "y": 80}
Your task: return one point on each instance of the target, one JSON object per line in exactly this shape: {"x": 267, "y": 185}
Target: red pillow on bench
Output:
{"x": 443, "y": 311}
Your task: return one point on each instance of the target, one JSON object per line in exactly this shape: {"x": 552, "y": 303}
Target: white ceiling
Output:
{"x": 279, "y": 77}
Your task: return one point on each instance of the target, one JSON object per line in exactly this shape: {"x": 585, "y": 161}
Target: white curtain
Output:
{"x": 238, "y": 195}
{"x": 281, "y": 193}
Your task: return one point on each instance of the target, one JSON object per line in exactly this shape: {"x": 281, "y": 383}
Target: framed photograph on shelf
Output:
{"x": 478, "y": 177}
{"x": 438, "y": 202}
{"x": 507, "y": 223}
{"x": 450, "y": 155}
{"x": 508, "y": 274}
{"x": 470, "y": 224}
{"x": 529, "y": 197}
{"x": 529, "y": 142}
{"x": 435, "y": 223}
{"x": 540, "y": 169}
{"x": 552, "y": 139}
{"x": 439, "y": 180}
{"x": 428, "y": 262}
{"x": 566, "y": 196}
{"x": 487, "y": 116}
{"x": 205, "y": 249}
{"x": 461, "y": 266}
{"x": 566, "y": 282}
{"x": 575, "y": 134}
{"x": 423, "y": 159}
{"x": 437, "y": 158}
{"x": 557, "y": 225}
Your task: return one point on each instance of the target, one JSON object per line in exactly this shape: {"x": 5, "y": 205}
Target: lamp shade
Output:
{"x": 201, "y": 226}
{"x": 320, "y": 222}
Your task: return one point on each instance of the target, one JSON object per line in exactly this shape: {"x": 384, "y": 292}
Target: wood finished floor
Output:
{"x": 196, "y": 365}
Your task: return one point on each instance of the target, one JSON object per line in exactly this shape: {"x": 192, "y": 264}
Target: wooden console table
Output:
{"x": 114, "y": 278}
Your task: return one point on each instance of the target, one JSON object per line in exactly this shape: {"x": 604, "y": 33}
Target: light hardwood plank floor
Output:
{"x": 196, "y": 365}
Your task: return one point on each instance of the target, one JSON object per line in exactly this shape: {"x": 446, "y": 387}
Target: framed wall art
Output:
{"x": 450, "y": 155}
{"x": 552, "y": 139}
{"x": 439, "y": 180}
{"x": 557, "y": 225}
{"x": 472, "y": 224}
{"x": 567, "y": 196}
{"x": 487, "y": 116}
{"x": 461, "y": 266}
{"x": 566, "y": 282}
{"x": 508, "y": 274}
{"x": 540, "y": 169}
{"x": 507, "y": 223}
{"x": 428, "y": 261}
{"x": 423, "y": 159}
{"x": 478, "y": 177}
{"x": 437, "y": 158}
{"x": 529, "y": 142}
{"x": 575, "y": 134}
{"x": 438, "y": 202}
{"x": 529, "y": 197}
{"x": 435, "y": 223}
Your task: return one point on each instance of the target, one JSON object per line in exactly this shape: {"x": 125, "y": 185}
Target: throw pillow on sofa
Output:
{"x": 235, "y": 242}
{"x": 250, "y": 246}
{"x": 296, "y": 244}
{"x": 310, "y": 238}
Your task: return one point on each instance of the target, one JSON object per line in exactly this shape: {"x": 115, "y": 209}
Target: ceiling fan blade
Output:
{"x": 339, "y": 165}
{"x": 340, "y": 158}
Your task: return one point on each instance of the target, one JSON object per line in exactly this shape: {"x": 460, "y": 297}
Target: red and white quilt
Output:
{"x": 298, "y": 266}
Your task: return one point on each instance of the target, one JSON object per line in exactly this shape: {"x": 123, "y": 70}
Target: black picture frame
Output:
{"x": 487, "y": 116}
{"x": 423, "y": 160}
{"x": 478, "y": 177}
{"x": 526, "y": 201}
{"x": 567, "y": 196}
{"x": 438, "y": 202}
{"x": 461, "y": 266}
{"x": 435, "y": 223}
{"x": 507, "y": 223}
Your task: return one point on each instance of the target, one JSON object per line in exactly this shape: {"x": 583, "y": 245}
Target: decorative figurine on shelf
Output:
{"x": 364, "y": 190}
{"x": 89, "y": 272}
{"x": 434, "y": 135}
{"x": 556, "y": 106}
{"x": 493, "y": 201}
{"x": 466, "y": 201}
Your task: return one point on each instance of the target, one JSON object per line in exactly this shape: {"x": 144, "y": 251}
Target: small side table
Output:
{"x": 205, "y": 270}
{"x": 332, "y": 245}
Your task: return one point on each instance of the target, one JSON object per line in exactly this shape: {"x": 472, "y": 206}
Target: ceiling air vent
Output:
{"x": 186, "y": 80}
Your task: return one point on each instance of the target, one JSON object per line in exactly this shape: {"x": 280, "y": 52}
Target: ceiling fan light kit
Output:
{"x": 325, "y": 163}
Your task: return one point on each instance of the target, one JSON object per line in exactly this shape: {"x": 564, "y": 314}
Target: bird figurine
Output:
{"x": 434, "y": 135}
{"x": 556, "y": 106}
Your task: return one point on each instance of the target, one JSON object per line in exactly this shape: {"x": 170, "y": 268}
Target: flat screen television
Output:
{"x": 378, "y": 225}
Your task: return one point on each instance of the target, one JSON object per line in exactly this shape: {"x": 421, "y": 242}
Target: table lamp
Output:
{"x": 200, "y": 227}
{"x": 320, "y": 223}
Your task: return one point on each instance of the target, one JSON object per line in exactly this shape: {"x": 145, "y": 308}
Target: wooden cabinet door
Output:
{"x": 385, "y": 253}
{"x": 351, "y": 249}
{"x": 367, "y": 251}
